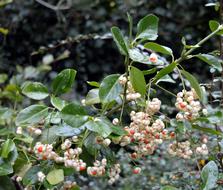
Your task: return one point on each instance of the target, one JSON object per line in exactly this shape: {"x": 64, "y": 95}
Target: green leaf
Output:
{"x": 211, "y": 60}
{"x": 68, "y": 131}
{"x": 100, "y": 126}
{"x": 30, "y": 176}
{"x": 5, "y": 167}
{"x": 92, "y": 97}
{"x": 32, "y": 114}
{"x": 213, "y": 24}
{"x": 138, "y": 81}
{"x": 93, "y": 83}
{"x": 207, "y": 130}
{"x": 150, "y": 71}
{"x": 110, "y": 89}
{"x": 158, "y": 48}
{"x": 74, "y": 115}
{"x": 209, "y": 175}
{"x": 165, "y": 71}
{"x": 35, "y": 90}
{"x": 90, "y": 144}
{"x": 7, "y": 147}
{"x": 194, "y": 83}
{"x": 167, "y": 187}
{"x": 3, "y": 78}
{"x": 119, "y": 40}
{"x": 57, "y": 102}
{"x": 64, "y": 81}
{"x": 147, "y": 28}
{"x": 55, "y": 176}
{"x": 118, "y": 130}
{"x": 166, "y": 78}
{"x": 6, "y": 183}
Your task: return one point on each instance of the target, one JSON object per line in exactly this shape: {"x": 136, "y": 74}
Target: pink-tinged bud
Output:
{"x": 136, "y": 170}
{"x": 153, "y": 58}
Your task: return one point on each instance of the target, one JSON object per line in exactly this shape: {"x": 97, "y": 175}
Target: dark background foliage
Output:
{"x": 32, "y": 25}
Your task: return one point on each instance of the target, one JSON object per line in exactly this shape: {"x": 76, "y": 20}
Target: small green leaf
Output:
{"x": 55, "y": 176}
{"x": 92, "y": 97}
{"x": 209, "y": 175}
{"x": 35, "y": 90}
{"x": 150, "y": 71}
{"x": 74, "y": 115}
{"x": 68, "y": 131}
{"x": 7, "y": 147}
{"x": 158, "y": 48}
{"x": 5, "y": 167}
{"x": 119, "y": 40}
{"x": 64, "y": 81}
{"x": 138, "y": 81}
{"x": 93, "y": 83}
{"x": 90, "y": 144}
{"x": 147, "y": 28}
{"x": 213, "y": 24}
{"x": 110, "y": 89}
{"x": 5, "y": 2}
{"x": 57, "y": 102}
{"x": 165, "y": 71}
{"x": 166, "y": 78}
{"x": 32, "y": 114}
{"x": 118, "y": 130}
{"x": 207, "y": 130}
{"x": 167, "y": 187}
{"x": 4, "y": 31}
{"x": 211, "y": 60}
{"x": 3, "y": 78}
{"x": 194, "y": 83}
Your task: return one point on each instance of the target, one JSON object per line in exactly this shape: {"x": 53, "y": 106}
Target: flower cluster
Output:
{"x": 144, "y": 132}
{"x": 113, "y": 173}
{"x": 188, "y": 105}
{"x": 68, "y": 185}
{"x": 180, "y": 149}
{"x": 130, "y": 92}
{"x": 98, "y": 169}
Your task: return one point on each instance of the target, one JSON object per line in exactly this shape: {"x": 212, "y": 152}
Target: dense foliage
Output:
{"x": 121, "y": 135}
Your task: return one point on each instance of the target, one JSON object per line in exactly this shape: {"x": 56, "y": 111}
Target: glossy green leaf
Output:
{"x": 5, "y": 167}
{"x": 138, "y": 81}
{"x": 194, "y": 83}
{"x": 30, "y": 176}
{"x": 74, "y": 115}
{"x": 7, "y": 147}
{"x": 119, "y": 40}
{"x": 213, "y": 24}
{"x": 158, "y": 48}
{"x": 118, "y": 130}
{"x": 57, "y": 102}
{"x": 110, "y": 89}
{"x": 147, "y": 28}
{"x": 90, "y": 144}
{"x": 64, "y": 81}
{"x": 168, "y": 187}
{"x": 92, "y": 97}
{"x": 68, "y": 131}
{"x": 165, "y": 71}
{"x": 211, "y": 60}
{"x": 55, "y": 176}
{"x": 32, "y": 114}
{"x": 35, "y": 90}
{"x": 209, "y": 175}
{"x": 100, "y": 126}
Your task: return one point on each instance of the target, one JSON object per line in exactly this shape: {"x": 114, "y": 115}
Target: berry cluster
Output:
{"x": 113, "y": 173}
{"x": 98, "y": 169}
{"x": 145, "y": 132}
{"x": 188, "y": 104}
{"x": 180, "y": 149}
{"x": 202, "y": 150}
{"x": 130, "y": 92}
